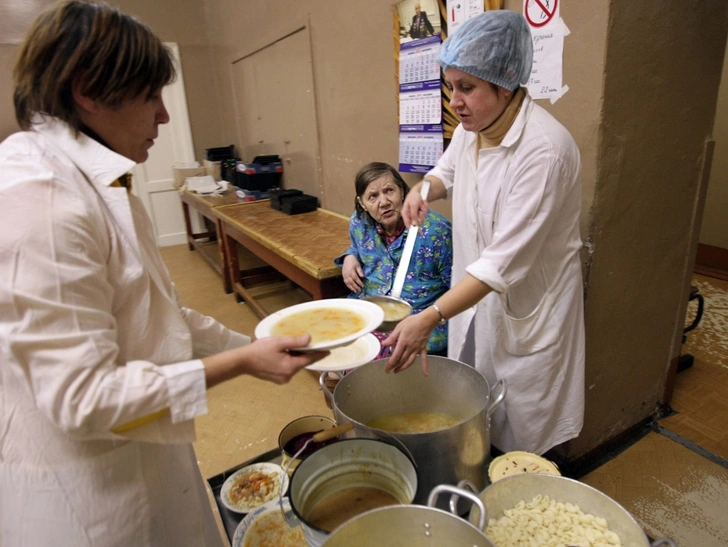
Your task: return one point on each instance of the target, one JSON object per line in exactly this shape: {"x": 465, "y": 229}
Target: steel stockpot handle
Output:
{"x": 495, "y": 397}
{"x": 432, "y": 500}
{"x": 327, "y": 392}
{"x": 468, "y": 486}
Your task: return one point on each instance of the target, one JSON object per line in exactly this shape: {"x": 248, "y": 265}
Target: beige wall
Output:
{"x": 662, "y": 71}
{"x": 643, "y": 84}
{"x": 354, "y": 77}
{"x": 714, "y": 228}
{"x": 181, "y": 21}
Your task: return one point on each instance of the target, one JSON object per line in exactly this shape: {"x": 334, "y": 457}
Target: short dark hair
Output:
{"x": 369, "y": 173}
{"x": 116, "y": 57}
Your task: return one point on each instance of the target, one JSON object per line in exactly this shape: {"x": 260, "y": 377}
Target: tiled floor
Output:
{"x": 674, "y": 480}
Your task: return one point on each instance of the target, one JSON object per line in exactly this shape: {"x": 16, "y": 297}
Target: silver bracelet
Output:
{"x": 442, "y": 317}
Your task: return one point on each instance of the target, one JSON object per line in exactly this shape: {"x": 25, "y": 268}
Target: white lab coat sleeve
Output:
{"x": 530, "y": 201}
{"x": 209, "y": 336}
{"x": 58, "y": 326}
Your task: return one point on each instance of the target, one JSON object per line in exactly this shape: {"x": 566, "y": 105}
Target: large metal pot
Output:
{"x": 412, "y": 525}
{"x": 507, "y": 492}
{"x": 453, "y": 388}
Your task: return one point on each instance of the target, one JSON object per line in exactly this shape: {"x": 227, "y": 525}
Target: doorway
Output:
{"x": 154, "y": 182}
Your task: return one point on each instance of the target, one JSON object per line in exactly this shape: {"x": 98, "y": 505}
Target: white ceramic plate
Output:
{"x": 356, "y": 354}
{"x": 276, "y": 478}
{"x": 372, "y": 314}
{"x": 276, "y": 533}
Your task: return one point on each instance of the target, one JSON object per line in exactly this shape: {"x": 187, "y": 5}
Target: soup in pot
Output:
{"x": 338, "y": 507}
{"x": 394, "y": 311}
{"x": 323, "y": 324}
{"x": 414, "y": 422}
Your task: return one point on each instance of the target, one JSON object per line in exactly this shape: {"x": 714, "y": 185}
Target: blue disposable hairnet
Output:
{"x": 496, "y": 46}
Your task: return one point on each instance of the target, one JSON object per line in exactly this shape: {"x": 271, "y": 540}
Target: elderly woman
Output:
{"x": 516, "y": 305}
{"x": 378, "y": 233}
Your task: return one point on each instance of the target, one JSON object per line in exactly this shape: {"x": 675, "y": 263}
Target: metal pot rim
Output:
{"x": 302, "y": 467}
{"x": 452, "y": 519}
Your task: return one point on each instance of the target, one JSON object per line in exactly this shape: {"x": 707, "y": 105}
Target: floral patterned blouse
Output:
{"x": 429, "y": 273}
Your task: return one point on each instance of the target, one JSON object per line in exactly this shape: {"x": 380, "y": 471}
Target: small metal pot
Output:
{"x": 507, "y": 492}
{"x": 345, "y": 464}
{"x": 413, "y": 526}
{"x": 305, "y": 424}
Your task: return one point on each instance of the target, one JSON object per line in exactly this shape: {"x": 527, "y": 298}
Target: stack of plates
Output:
{"x": 347, "y": 335}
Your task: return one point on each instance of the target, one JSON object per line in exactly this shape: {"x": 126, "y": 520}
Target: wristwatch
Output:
{"x": 442, "y": 320}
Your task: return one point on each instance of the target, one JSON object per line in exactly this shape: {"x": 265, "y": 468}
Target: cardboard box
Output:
{"x": 180, "y": 174}
{"x": 213, "y": 168}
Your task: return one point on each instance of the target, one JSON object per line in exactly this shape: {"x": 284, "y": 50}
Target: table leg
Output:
{"x": 231, "y": 265}
{"x": 225, "y": 271}
{"x": 188, "y": 225}
{"x": 235, "y": 275}
{"x": 331, "y": 288}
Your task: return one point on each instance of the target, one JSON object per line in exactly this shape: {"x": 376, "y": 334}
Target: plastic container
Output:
{"x": 295, "y": 205}
{"x": 263, "y": 173}
{"x": 278, "y": 196}
{"x": 220, "y": 153}
{"x": 520, "y": 463}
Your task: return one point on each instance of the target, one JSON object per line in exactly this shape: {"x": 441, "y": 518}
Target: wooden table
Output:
{"x": 204, "y": 206}
{"x": 301, "y": 247}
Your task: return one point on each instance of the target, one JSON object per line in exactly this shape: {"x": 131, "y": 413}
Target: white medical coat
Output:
{"x": 92, "y": 336}
{"x": 516, "y": 228}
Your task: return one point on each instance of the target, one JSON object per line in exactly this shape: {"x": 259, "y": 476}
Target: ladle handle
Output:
{"x": 409, "y": 245}
{"x": 332, "y": 432}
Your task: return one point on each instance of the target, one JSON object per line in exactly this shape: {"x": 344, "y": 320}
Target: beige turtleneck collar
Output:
{"x": 493, "y": 135}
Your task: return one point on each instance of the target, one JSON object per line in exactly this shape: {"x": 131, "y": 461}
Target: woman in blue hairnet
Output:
{"x": 515, "y": 305}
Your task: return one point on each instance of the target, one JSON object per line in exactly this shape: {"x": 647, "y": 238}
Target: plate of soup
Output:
{"x": 359, "y": 352}
{"x": 331, "y": 322}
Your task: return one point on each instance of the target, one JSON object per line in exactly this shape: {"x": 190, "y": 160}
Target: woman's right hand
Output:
{"x": 271, "y": 359}
{"x": 414, "y": 208}
{"x": 353, "y": 274}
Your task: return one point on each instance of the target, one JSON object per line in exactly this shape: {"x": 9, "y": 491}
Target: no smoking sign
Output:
{"x": 540, "y": 12}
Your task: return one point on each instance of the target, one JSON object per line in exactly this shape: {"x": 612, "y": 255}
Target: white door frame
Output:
{"x": 177, "y": 137}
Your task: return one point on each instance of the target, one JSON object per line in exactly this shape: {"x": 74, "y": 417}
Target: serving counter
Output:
{"x": 300, "y": 247}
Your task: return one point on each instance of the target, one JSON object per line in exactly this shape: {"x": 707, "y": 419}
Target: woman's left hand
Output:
{"x": 410, "y": 336}
{"x": 353, "y": 274}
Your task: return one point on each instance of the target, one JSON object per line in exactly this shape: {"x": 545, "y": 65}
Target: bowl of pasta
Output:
{"x": 558, "y": 511}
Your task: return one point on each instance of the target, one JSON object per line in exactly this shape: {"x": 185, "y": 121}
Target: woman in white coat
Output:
{"x": 515, "y": 306}
{"x": 102, "y": 372}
